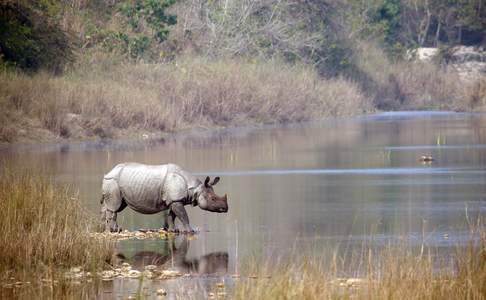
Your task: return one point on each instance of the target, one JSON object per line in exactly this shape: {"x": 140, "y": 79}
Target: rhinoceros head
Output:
{"x": 208, "y": 200}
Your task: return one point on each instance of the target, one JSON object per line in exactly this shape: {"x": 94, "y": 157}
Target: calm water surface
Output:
{"x": 321, "y": 186}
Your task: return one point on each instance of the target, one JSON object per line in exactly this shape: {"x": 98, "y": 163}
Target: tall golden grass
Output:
{"x": 188, "y": 93}
{"x": 106, "y": 98}
{"x": 43, "y": 228}
{"x": 396, "y": 272}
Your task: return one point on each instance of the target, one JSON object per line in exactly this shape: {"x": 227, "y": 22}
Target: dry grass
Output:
{"x": 393, "y": 273}
{"x": 43, "y": 228}
{"x": 164, "y": 97}
{"x": 416, "y": 85}
{"x": 474, "y": 95}
{"x": 106, "y": 98}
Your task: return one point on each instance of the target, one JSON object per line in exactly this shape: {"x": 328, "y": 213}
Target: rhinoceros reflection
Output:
{"x": 174, "y": 256}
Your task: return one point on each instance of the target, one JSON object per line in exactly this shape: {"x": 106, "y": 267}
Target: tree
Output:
{"x": 385, "y": 18}
{"x": 151, "y": 13}
{"x": 31, "y": 38}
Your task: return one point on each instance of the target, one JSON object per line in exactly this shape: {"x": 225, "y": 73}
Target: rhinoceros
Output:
{"x": 149, "y": 189}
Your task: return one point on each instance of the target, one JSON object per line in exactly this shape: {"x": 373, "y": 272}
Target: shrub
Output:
{"x": 31, "y": 39}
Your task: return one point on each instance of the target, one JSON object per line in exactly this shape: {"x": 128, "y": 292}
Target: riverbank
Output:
{"x": 137, "y": 100}
{"x": 107, "y": 100}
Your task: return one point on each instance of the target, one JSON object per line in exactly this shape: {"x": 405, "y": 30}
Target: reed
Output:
{"x": 395, "y": 272}
{"x": 44, "y": 229}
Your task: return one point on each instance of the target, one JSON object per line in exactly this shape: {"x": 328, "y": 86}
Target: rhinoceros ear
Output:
{"x": 206, "y": 182}
{"x": 215, "y": 180}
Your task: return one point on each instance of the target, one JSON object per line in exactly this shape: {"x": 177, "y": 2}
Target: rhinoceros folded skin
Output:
{"x": 150, "y": 189}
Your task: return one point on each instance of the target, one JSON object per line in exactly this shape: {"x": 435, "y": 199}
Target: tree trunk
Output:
{"x": 422, "y": 38}
{"x": 437, "y": 33}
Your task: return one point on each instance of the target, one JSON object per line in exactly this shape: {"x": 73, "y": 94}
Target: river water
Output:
{"x": 333, "y": 185}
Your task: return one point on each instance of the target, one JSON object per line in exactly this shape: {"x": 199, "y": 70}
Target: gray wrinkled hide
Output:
{"x": 147, "y": 189}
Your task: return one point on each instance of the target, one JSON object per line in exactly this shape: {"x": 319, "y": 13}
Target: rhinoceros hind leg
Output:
{"x": 111, "y": 197}
{"x": 111, "y": 203}
{"x": 111, "y": 222}
{"x": 108, "y": 220}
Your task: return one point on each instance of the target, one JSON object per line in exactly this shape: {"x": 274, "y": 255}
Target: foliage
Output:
{"x": 318, "y": 33}
{"x": 302, "y": 31}
{"x": 153, "y": 13}
{"x": 471, "y": 19}
{"x": 140, "y": 14}
{"x": 30, "y": 36}
{"x": 386, "y": 20}
{"x": 399, "y": 24}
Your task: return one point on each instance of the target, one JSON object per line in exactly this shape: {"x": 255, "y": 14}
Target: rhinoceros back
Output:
{"x": 141, "y": 186}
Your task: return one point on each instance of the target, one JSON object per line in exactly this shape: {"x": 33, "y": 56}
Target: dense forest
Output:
{"x": 49, "y": 34}
{"x": 359, "y": 52}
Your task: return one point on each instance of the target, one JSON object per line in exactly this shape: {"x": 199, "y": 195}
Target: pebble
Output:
{"x": 148, "y": 274}
{"x": 126, "y": 235}
{"x": 134, "y": 274}
{"x": 108, "y": 274}
{"x": 76, "y": 273}
{"x": 126, "y": 269}
{"x": 166, "y": 274}
{"x": 348, "y": 282}
{"x": 150, "y": 267}
{"x": 354, "y": 281}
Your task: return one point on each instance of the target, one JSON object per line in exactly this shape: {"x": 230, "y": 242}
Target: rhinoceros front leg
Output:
{"x": 177, "y": 210}
{"x": 169, "y": 223}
